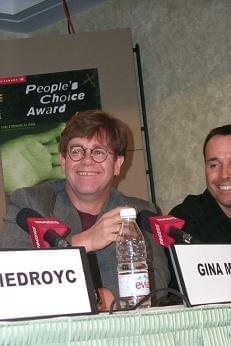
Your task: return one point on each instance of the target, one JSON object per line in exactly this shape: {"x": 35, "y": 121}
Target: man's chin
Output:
{"x": 87, "y": 192}
{"x": 225, "y": 206}
{"x": 223, "y": 197}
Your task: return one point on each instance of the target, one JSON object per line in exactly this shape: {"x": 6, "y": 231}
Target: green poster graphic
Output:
{"x": 33, "y": 111}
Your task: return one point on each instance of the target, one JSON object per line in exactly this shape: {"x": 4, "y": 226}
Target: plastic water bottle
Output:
{"x": 132, "y": 267}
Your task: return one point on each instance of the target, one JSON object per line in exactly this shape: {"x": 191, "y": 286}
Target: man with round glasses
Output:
{"x": 92, "y": 150}
{"x": 98, "y": 154}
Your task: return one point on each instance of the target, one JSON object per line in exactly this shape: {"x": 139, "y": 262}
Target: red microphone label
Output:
{"x": 39, "y": 226}
{"x": 160, "y": 226}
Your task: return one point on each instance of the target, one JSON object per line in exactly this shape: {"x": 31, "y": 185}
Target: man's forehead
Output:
{"x": 96, "y": 139}
{"x": 219, "y": 141}
{"x": 218, "y": 147}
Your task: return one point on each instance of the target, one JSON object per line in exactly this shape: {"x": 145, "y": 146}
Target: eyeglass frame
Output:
{"x": 91, "y": 153}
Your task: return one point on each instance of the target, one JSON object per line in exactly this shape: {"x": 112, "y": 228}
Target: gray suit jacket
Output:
{"x": 50, "y": 199}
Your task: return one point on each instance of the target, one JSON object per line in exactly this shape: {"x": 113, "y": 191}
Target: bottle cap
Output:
{"x": 127, "y": 212}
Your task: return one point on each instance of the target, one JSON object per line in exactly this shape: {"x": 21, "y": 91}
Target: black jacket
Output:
{"x": 204, "y": 219}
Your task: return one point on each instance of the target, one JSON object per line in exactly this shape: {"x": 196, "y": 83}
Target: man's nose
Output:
{"x": 87, "y": 157}
{"x": 226, "y": 170}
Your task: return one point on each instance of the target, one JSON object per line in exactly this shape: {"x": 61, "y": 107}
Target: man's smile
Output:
{"x": 224, "y": 187}
{"x": 87, "y": 173}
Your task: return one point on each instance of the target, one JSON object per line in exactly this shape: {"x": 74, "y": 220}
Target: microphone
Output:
{"x": 166, "y": 229}
{"x": 162, "y": 225}
{"x": 181, "y": 237}
{"x": 44, "y": 232}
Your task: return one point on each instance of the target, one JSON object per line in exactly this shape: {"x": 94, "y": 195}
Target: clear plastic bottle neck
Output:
{"x": 128, "y": 219}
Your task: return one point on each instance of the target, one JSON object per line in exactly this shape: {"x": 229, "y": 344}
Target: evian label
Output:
{"x": 136, "y": 284}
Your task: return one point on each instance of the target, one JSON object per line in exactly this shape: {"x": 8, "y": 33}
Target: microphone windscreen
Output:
{"x": 143, "y": 219}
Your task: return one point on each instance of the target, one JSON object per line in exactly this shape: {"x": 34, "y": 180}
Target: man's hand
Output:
{"x": 106, "y": 298}
{"x": 31, "y": 159}
{"x": 102, "y": 233}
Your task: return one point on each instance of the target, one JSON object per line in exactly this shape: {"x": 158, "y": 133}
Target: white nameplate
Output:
{"x": 45, "y": 282}
{"x": 203, "y": 272}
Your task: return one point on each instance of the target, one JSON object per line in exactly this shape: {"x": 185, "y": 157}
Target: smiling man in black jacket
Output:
{"x": 208, "y": 216}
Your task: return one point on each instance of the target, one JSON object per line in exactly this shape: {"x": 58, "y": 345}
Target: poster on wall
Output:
{"x": 33, "y": 112}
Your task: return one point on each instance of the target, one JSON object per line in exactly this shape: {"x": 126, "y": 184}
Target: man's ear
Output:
{"x": 118, "y": 163}
{"x": 62, "y": 160}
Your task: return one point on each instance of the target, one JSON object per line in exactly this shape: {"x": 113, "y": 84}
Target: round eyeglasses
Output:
{"x": 98, "y": 154}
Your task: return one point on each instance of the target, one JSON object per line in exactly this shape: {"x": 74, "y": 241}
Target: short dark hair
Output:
{"x": 224, "y": 130}
{"x": 96, "y": 122}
